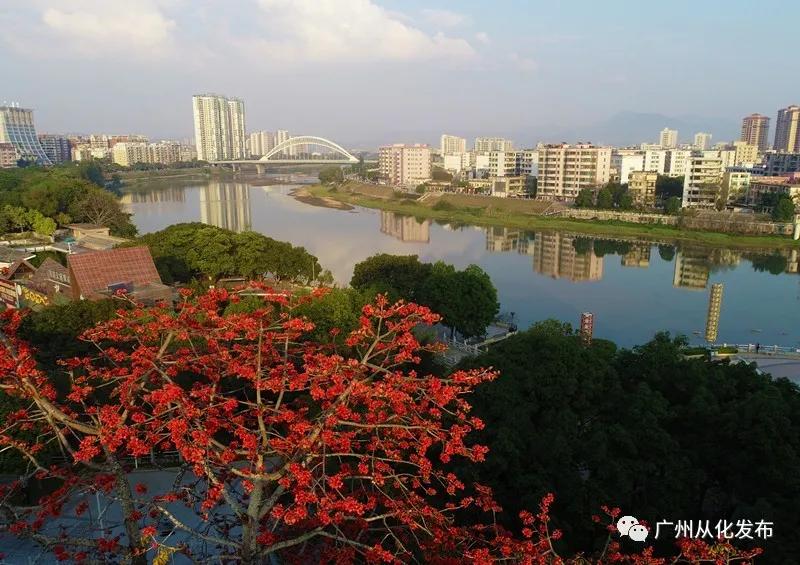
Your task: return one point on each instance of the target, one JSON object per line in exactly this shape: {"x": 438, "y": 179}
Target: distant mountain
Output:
{"x": 632, "y": 128}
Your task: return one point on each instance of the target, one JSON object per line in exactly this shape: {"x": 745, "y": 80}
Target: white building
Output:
{"x": 487, "y": 144}
{"x": 702, "y": 184}
{"x": 219, "y": 127}
{"x": 16, "y": 128}
{"x": 702, "y": 141}
{"x": 655, "y": 160}
{"x": 668, "y": 138}
{"x": 564, "y": 170}
{"x": 405, "y": 165}
{"x": 625, "y": 161}
{"x": 502, "y": 163}
{"x": 450, "y": 144}
{"x": 126, "y": 154}
{"x": 677, "y": 160}
{"x": 528, "y": 162}
{"x": 260, "y": 143}
{"x": 457, "y": 162}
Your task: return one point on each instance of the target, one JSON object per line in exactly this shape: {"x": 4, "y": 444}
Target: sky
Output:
{"x": 366, "y": 72}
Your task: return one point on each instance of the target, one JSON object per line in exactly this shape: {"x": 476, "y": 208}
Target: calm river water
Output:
{"x": 634, "y": 288}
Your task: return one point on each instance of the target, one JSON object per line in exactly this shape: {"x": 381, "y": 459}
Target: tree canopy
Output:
{"x": 467, "y": 300}
{"x": 658, "y": 435}
{"x": 331, "y": 175}
{"x": 183, "y": 252}
{"x": 276, "y": 447}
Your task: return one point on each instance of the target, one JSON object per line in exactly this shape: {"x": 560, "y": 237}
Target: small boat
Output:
{"x": 756, "y": 331}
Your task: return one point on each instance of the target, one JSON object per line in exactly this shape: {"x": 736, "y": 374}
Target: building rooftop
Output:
{"x": 94, "y": 272}
{"x": 11, "y": 255}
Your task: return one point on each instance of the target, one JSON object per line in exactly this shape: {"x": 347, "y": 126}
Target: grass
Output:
{"x": 449, "y": 212}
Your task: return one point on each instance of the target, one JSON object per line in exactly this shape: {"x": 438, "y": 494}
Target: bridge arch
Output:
{"x": 308, "y": 140}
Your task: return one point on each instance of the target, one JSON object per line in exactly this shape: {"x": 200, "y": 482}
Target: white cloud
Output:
{"x": 137, "y": 23}
{"x": 522, "y": 63}
{"x": 346, "y": 31}
{"x": 444, "y": 18}
{"x": 483, "y": 37}
{"x": 96, "y": 27}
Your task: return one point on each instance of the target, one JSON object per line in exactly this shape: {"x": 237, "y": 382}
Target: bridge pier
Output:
{"x": 260, "y": 169}
{"x": 235, "y": 167}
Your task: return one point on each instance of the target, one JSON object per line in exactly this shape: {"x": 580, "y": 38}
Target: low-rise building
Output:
{"x": 744, "y": 154}
{"x": 457, "y": 162}
{"x": 702, "y": 184}
{"x": 96, "y": 275}
{"x": 508, "y": 186}
{"x": 788, "y": 185}
{"x": 642, "y": 188}
{"x": 8, "y": 155}
{"x": 625, "y": 161}
{"x": 735, "y": 185}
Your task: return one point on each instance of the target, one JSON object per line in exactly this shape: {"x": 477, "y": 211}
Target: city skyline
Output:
{"x": 279, "y": 55}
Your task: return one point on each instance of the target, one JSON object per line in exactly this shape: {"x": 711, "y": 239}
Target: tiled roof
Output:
{"x": 93, "y": 272}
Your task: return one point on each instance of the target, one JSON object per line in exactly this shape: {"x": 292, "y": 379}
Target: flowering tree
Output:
{"x": 273, "y": 445}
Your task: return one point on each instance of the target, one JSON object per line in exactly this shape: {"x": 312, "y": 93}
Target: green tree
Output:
{"x": 421, "y": 188}
{"x": 585, "y": 198}
{"x": 774, "y": 264}
{"x": 466, "y": 300}
{"x": 672, "y": 205}
{"x": 667, "y": 187}
{"x": 784, "y": 209}
{"x": 666, "y": 252}
{"x": 625, "y": 201}
{"x": 98, "y": 206}
{"x": 605, "y": 198}
{"x": 402, "y": 274}
{"x": 439, "y": 174}
{"x": 331, "y": 175}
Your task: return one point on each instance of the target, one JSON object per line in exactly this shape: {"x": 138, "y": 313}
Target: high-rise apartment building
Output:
{"x": 744, "y": 154}
{"x": 451, "y": 144}
{"x": 261, "y": 143}
{"x": 668, "y": 138}
{"x": 56, "y": 147}
{"x": 755, "y": 131}
{"x": 487, "y": 144}
{"x": 218, "y": 127}
{"x": 566, "y": 169}
{"x": 283, "y": 135}
{"x": 16, "y": 128}
{"x": 702, "y": 141}
{"x": 405, "y": 228}
{"x": 702, "y": 184}
{"x": 164, "y": 152}
{"x": 787, "y": 130}
{"x": 405, "y": 165}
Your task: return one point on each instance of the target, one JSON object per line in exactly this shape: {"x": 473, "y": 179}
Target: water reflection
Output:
{"x": 633, "y": 287}
{"x": 714, "y": 309}
{"x": 226, "y": 205}
{"x": 557, "y": 255}
{"x": 405, "y": 228}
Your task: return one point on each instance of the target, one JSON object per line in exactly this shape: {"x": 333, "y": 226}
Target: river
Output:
{"x": 633, "y": 288}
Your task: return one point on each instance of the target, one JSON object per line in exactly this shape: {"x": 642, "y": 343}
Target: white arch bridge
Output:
{"x": 277, "y": 155}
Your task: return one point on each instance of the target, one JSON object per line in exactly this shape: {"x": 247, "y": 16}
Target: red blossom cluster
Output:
{"x": 309, "y": 451}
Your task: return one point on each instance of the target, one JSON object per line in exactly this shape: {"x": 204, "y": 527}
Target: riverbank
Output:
{"x": 135, "y": 177}
{"x": 306, "y": 197}
{"x": 454, "y": 213}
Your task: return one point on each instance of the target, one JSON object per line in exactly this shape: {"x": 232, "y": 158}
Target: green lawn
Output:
{"x": 482, "y": 217}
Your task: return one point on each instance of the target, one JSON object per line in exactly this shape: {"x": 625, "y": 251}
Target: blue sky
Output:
{"x": 365, "y": 72}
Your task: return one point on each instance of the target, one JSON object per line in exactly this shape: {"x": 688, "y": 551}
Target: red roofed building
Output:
{"x": 100, "y": 274}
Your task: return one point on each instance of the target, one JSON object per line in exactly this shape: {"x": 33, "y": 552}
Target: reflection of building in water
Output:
{"x": 691, "y": 269}
{"x": 502, "y": 240}
{"x": 172, "y": 194}
{"x": 555, "y": 255}
{"x": 638, "y": 256}
{"x": 723, "y": 258}
{"x": 793, "y": 262}
{"x": 405, "y": 228}
{"x": 226, "y": 205}
{"x": 714, "y": 308}
{"x": 526, "y": 243}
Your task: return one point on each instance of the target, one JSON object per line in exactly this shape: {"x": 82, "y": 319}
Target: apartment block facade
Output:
{"x": 755, "y": 131}
{"x": 486, "y": 144}
{"x": 219, "y": 127}
{"x": 16, "y": 128}
{"x": 404, "y": 165}
{"x": 564, "y": 170}
{"x": 642, "y": 188}
{"x": 56, "y": 147}
{"x": 702, "y": 184}
{"x": 451, "y": 144}
{"x": 787, "y": 130}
